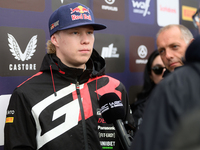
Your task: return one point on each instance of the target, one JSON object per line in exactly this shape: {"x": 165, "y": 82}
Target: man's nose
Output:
{"x": 168, "y": 54}
{"x": 84, "y": 38}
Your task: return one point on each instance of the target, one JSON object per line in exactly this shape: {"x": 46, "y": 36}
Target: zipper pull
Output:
{"x": 77, "y": 84}
{"x": 77, "y": 88}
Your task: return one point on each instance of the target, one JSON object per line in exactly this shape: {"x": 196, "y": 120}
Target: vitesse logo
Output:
{"x": 22, "y": 51}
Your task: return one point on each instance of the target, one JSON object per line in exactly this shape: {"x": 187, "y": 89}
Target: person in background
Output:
{"x": 171, "y": 101}
{"x": 172, "y": 42}
{"x": 153, "y": 73}
{"x": 58, "y": 108}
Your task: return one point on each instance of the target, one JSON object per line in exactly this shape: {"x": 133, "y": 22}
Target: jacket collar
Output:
{"x": 95, "y": 67}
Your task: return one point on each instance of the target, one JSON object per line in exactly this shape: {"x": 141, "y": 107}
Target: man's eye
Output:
{"x": 175, "y": 46}
{"x": 75, "y": 32}
{"x": 90, "y": 32}
{"x": 161, "y": 51}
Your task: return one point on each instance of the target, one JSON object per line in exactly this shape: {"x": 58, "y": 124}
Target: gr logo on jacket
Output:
{"x": 58, "y": 108}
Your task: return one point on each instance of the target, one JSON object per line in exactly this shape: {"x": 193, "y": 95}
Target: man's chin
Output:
{"x": 172, "y": 68}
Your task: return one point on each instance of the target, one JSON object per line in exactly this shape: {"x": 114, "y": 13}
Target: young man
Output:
{"x": 58, "y": 108}
{"x": 172, "y": 42}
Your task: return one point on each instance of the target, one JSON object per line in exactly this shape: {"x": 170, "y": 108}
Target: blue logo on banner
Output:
{"x": 142, "y": 11}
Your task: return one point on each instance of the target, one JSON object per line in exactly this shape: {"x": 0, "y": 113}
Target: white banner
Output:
{"x": 4, "y": 99}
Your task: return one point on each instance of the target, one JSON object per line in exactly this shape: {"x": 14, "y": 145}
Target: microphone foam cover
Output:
{"x": 111, "y": 107}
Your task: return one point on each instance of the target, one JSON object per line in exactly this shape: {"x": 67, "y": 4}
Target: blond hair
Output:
{"x": 51, "y": 49}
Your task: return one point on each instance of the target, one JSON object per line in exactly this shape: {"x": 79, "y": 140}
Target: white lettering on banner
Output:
{"x": 109, "y": 52}
{"x": 106, "y": 128}
{"x": 107, "y": 143}
{"x": 13, "y": 67}
{"x": 141, "y": 61}
{"x": 141, "y": 7}
{"x": 105, "y": 7}
{"x": 70, "y": 110}
{"x": 4, "y": 100}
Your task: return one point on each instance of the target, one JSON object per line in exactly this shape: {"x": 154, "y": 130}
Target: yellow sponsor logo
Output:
{"x": 9, "y": 119}
{"x": 188, "y": 12}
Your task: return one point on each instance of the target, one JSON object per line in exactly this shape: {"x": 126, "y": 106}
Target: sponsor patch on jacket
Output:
{"x": 9, "y": 119}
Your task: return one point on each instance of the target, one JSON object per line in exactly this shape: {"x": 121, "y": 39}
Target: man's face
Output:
{"x": 171, "y": 48}
{"x": 74, "y": 46}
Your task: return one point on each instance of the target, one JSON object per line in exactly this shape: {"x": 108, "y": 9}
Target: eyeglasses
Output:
{"x": 158, "y": 70}
{"x": 196, "y": 18}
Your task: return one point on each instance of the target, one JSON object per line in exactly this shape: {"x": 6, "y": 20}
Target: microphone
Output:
{"x": 112, "y": 111}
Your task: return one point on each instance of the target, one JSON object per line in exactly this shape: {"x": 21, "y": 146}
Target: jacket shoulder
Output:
{"x": 37, "y": 74}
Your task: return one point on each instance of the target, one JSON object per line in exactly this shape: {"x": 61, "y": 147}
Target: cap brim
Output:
{"x": 96, "y": 26}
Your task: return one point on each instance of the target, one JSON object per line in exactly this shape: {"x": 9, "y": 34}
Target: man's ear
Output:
{"x": 54, "y": 40}
{"x": 191, "y": 41}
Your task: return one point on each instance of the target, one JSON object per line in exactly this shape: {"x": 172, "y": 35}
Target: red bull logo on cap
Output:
{"x": 80, "y": 9}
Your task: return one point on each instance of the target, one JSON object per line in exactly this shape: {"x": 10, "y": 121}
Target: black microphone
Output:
{"x": 112, "y": 110}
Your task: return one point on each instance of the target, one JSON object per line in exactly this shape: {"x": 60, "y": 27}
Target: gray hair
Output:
{"x": 185, "y": 32}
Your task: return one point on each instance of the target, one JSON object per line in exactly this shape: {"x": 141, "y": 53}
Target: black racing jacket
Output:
{"x": 58, "y": 109}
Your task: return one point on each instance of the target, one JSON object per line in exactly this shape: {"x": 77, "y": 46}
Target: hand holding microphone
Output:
{"x": 112, "y": 111}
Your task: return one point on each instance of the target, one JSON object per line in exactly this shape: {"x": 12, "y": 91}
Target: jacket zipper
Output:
{"x": 82, "y": 116}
